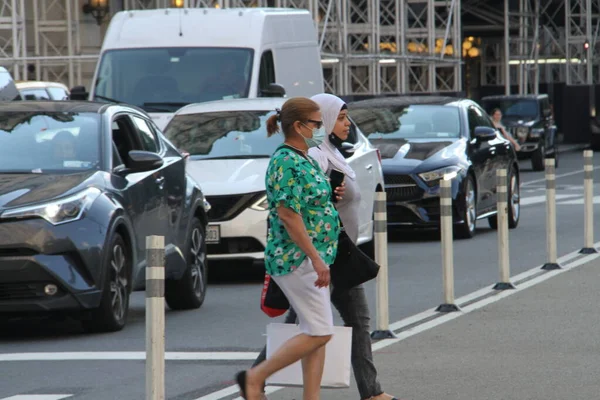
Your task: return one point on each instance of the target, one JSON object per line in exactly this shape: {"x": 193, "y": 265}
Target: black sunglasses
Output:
{"x": 318, "y": 124}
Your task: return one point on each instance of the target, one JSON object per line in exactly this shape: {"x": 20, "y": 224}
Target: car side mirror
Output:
{"x": 142, "y": 161}
{"x": 484, "y": 133}
{"x": 78, "y": 93}
{"x": 273, "y": 90}
{"x": 348, "y": 147}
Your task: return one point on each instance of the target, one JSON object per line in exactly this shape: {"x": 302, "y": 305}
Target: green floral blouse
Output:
{"x": 300, "y": 185}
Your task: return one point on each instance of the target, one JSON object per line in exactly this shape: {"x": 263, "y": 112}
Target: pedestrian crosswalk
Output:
{"x": 566, "y": 195}
{"x": 38, "y": 397}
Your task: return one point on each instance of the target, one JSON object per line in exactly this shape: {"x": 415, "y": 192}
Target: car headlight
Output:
{"x": 522, "y": 132}
{"x": 432, "y": 178}
{"x": 537, "y": 132}
{"x": 206, "y": 204}
{"x": 60, "y": 211}
{"x": 262, "y": 204}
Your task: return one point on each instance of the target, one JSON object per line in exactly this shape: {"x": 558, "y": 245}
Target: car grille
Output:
{"x": 401, "y": 188}
{"x": 223, "y": 208}
{"x": 19, "y": 291}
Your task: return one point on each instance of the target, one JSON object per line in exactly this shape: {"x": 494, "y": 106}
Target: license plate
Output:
{"x": 213, "y": 234}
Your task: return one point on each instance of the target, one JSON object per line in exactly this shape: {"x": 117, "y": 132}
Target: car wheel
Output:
{"x": 514, "y": 205}
{"x": 466, "y": 229}
{"x": 514, "y": 200}
{"x": 111, "y": 316}
{"x": 189, "y": 291}
{"x": 537, "y": 158}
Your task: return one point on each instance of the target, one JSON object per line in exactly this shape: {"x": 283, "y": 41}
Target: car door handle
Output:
{"x": 160, "y": 182}
{"x": 370, "y": 166}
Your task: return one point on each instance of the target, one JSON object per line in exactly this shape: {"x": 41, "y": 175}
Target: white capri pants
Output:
{"x": 312, "y": 304}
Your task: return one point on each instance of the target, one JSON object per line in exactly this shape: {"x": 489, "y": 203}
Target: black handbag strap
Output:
{"x": 295, "y": 150}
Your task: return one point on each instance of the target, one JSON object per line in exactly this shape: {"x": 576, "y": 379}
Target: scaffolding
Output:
{"x": 368, "y": 46}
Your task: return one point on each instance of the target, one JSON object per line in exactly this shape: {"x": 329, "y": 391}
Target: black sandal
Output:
{"x": 240, "y": 377}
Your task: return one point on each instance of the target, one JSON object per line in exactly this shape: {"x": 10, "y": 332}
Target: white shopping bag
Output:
{"x": 337, "y": 359}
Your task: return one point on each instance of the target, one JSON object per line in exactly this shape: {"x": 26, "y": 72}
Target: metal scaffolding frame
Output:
{"x": 368, "y": 46}
{"x": 13, "y": 44}
{"x": 582, "y": 25}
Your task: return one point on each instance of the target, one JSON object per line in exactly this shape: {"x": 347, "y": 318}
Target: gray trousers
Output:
{"x": 354, "y": 310}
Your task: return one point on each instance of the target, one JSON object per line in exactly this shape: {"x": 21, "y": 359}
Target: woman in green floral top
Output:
{"x": 301, "y": 244}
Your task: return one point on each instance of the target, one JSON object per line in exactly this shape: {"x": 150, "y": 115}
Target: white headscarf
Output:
{"x": 331, "y": 106}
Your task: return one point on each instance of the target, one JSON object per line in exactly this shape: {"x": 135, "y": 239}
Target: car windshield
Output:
{"x": 166, "y": 79}
{"x": 53, "y": 142}
{"x": 407, "y": 122}
{"x": 223, "y": 135}
{"x": 513, "y": 108}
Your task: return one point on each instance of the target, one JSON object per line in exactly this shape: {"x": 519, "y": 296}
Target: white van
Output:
{"x": 163, "y": 59}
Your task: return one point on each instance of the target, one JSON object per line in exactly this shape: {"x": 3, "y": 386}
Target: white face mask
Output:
{"x": 318, "y": 136}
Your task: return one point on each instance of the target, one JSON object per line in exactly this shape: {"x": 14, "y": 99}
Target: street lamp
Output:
{"x": 98, "y": 9}
{"x": 177, "y": 3}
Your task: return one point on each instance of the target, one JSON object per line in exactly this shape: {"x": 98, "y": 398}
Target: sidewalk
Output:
{"x": 541, "y": 342}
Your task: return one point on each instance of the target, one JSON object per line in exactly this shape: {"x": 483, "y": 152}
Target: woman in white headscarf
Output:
{"x": 351, "y": 303}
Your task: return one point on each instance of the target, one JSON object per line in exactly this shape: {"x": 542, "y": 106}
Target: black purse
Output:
{"x": 352, "y": 267}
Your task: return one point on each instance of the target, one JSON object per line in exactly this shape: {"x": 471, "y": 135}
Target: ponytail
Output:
{"x": 272, "y": 125}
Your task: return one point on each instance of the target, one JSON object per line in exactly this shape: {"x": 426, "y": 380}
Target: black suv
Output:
{"x": 529, "y": 119}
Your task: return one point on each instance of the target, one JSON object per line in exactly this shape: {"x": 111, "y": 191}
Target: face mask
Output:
{"x": 318, "y": 135}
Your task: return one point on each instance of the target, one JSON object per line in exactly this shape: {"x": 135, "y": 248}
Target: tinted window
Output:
{"x": 267, "y": 70}
{"x": 165, "y": 79}
{"x": 53, "y": 142}
{"x": 58, "y": 93}
{"x": 34, "y": 94}
{"x": 239, "y": 134}
{"x": 514, "y": 108}
{"x": 146, "y": 134}
{"x": 404, "y": 122}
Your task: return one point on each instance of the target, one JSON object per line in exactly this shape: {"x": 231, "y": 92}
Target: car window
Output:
{"x": 224, "y": 134}
{"x": 57, "y": 93}
{"x": 125, "y": 138}
{"x": 146, "y": 134}
{"x": 34, "y": 94}
{"x": 267, "y": 71}
{"x": 407, "y": 121}
{"x": 52, "y": 142}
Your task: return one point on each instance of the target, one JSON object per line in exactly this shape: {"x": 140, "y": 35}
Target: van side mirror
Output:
{"x": 273, "y": 90}
{"x": 78, "y": 93}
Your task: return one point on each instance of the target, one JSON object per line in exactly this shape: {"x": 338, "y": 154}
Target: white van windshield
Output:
{"x": 166, "y": 79}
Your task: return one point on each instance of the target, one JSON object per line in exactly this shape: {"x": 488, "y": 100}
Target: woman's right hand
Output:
{"x": 323, "y": 273}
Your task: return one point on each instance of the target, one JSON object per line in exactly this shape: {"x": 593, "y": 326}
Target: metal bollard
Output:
{"x": 155, "y": 318}
{"x": 588, "y": 215}
{"x": 381, "y": 257}
{"x": 552, "y": 262}
{"x": 502, "y": 221}
{"x": 447, "y": 250}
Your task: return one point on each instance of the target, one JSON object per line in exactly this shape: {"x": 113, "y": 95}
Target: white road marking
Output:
{"x": 578, "y": 261}
{"x": 579, "y": 171}
{"x": 127, "y": 355}
{"x": 579, "y": 201}
{"x": 38, "y": 397}
{"x": 527, "y": 201}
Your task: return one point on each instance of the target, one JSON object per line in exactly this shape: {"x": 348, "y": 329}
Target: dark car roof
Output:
{"x": 60, "y": 106}
{"x": 398, "y": 101}
{"x": 515, "y": 97}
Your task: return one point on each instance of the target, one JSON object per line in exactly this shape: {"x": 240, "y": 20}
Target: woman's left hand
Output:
{"x": 339, "y": 191}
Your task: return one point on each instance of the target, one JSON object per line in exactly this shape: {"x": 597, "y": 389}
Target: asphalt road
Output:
{"x": 231, "y": 321}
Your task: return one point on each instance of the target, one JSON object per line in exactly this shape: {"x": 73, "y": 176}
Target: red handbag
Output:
{"x": 272, "y": 299}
